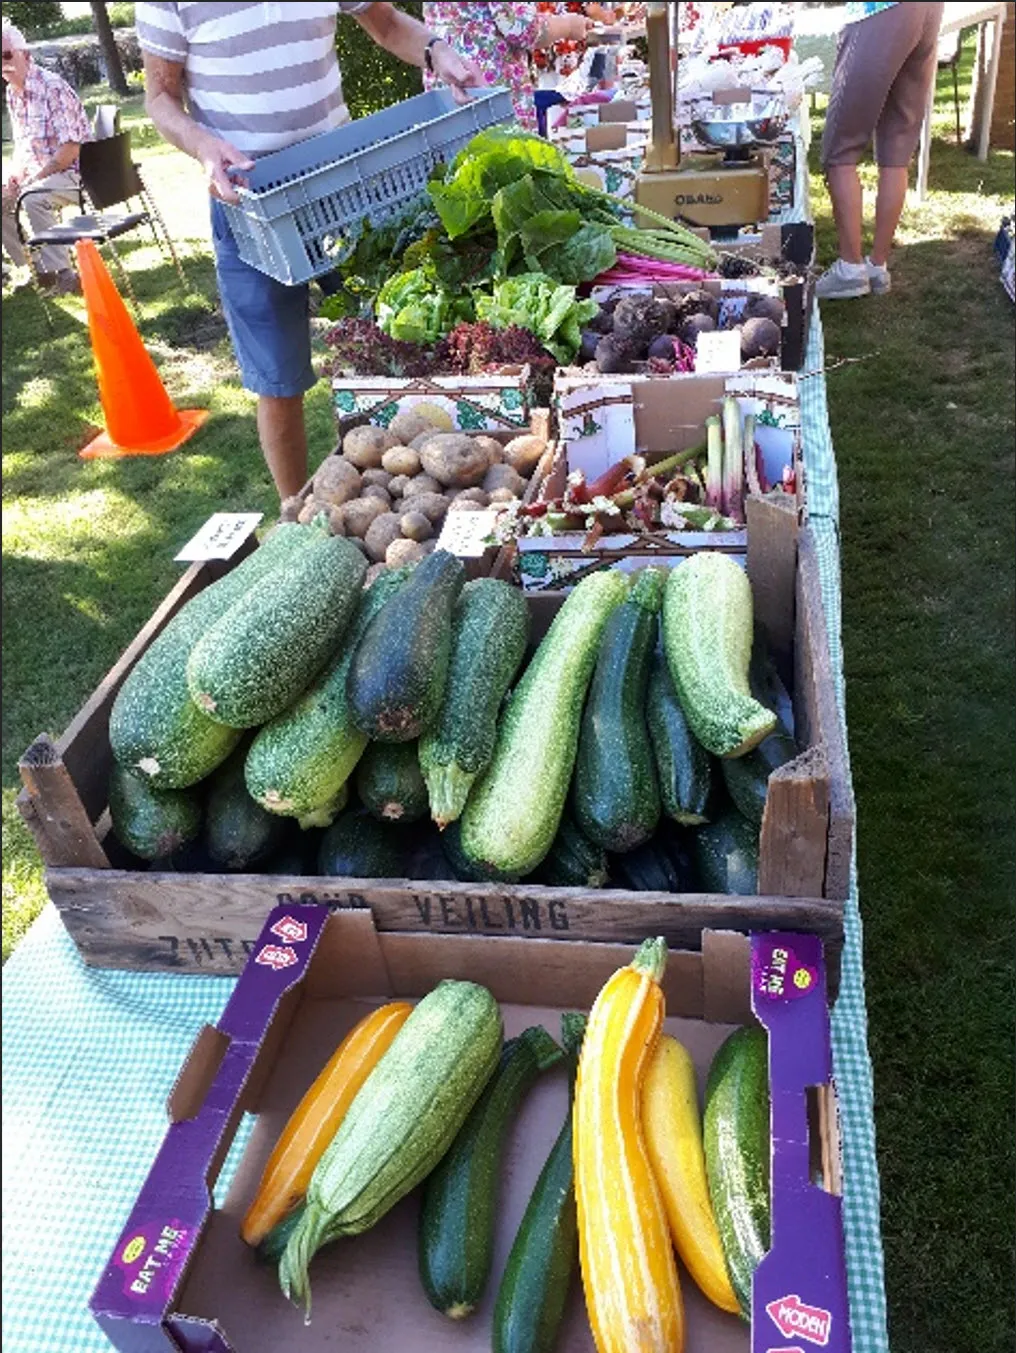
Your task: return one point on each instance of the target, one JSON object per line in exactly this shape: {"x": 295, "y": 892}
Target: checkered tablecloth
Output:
{"x": 89, "y": 1057}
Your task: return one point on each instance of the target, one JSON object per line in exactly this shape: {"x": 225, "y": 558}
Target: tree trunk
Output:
{"x": 114, "y": 68}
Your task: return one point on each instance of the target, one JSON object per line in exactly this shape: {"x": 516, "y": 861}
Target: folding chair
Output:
{"x": 109, "y": 178}
{"x": 950, "y": 48}
{"x": 106, "y": 121}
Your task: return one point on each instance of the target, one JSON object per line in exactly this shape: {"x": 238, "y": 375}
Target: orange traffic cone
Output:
{"x": 141, "y": 419}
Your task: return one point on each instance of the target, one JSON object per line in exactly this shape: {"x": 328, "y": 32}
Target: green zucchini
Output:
{"x": 682, "y": 763}
{"x": 615, "y": 797}
{"x": 462, "y": 867}
{"x": 155, "y": 728}
{"x": 534, "y": 1289}
{"x": 456, "y": 1237}
{"x": 513, "y": 811}
{"x": 151, "y": 823}
{"x": 747, "y": 777}
{"x": 238, "y": 831}
{"x": 707, "y": 635}
{"x": 646, "y": 869}
{"x": 400, "y": 668}
{"x": 299, "y": 763}
{"x": 490, "y": 630}
{"x": 403, "y": 1120}
{"x": 726, "y": 855}
{"x": 270, "y": 645}
{"x": 357, "y": 846}
{"x": 573, "y": 861}
{"x": 390, "y": 783}
{"x": 736, "y": 1141}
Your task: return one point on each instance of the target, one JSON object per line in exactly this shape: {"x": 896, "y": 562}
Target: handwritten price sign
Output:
{"x": 220, "y": 537}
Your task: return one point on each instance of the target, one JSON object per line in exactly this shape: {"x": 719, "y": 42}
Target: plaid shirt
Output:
{"x": 45, "y": 115}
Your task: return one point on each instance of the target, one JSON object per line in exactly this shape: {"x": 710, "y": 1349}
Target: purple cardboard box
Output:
{"x": 180, "y": 1278}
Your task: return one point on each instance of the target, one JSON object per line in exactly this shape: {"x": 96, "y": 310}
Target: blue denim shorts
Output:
{"x": 269, "y": 323}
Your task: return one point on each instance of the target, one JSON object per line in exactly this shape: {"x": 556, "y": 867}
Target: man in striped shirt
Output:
{"x": 228, "y": 82}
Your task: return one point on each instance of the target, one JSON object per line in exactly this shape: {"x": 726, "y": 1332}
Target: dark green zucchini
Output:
{"x": 460, "y": 1197}
{"x": 151, "y": 823}
{"x": 390, "y": 783}
{"x": 534, "y": 1289}
{"x": 767, "y": 685}
{"x": 573, "y": 861}
{"x": 646, "y": 869}
{"x": 425, "y": 858}
{"x": 400, "y": 668}
{"x": 239, "y": 833}
{"x": 357, "y": 846}
{"x": 615, "y": 796}
{"x": 683, "y": 765}
{"x": 726, "y": 855}
{"x": 747, "y": 777}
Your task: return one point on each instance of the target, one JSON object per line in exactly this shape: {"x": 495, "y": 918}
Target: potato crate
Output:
{"x": 121, "y": 914}
{"x": 498, "y": 402}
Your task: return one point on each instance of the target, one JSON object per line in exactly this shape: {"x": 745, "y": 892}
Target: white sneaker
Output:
{"x": 878, "y": 277}
{"x": 843, "y": 281}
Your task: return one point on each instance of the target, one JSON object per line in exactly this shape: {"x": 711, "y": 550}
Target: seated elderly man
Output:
{"x": 48, "y": 125}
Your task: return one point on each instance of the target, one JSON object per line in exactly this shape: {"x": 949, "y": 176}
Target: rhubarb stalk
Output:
{"x": 714, "y": 462}
{"x": 733, "y": 460}
{"x": 751, "y": 458}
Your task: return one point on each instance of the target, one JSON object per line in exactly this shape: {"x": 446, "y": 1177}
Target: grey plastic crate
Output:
{"x": 303, "y": 204}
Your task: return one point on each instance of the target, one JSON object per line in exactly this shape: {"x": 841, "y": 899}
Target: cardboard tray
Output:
{"x": 122, "y": 915}
{"x": 179, "y": 1276}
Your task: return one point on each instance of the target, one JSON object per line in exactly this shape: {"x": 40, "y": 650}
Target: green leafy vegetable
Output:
{"x": 415, "y": 308}
{"x": 547, "y": 309}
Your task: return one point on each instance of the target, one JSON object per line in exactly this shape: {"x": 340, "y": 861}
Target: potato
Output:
{"x": 364, "y": 446}
{"x": 503, "y": 496}
{"x": 493, "y": 448}
{"x": 421, "y": 483}
{"x": 311, "y": 509}
{"x": 336, "y": 481}
{"x": 477, "y": 496}
{"x": 380, "y": 534}
{"x": 432, "y": 505}
{"x": 403, "y": 551}
{"x": 376, "y": 491}
{"x": 381, "y": 477}
{"x": 465, "y": 505}
{"x": 454, "y": 460}
{"x": 337, "y": 521}
{"x": 359, "y": 514}
{"x": 401, "y": 460}
{"x": 290, "y": 509}
{"x": 504, "y": 477}
{"x": 410, "y": 424}
{"x": 422, "y": 438}
{"x": 416, "y": 526}
{"x": 397, "y": 485}
{"x": 429, "y": 546}
{"x": 523, "y": 453}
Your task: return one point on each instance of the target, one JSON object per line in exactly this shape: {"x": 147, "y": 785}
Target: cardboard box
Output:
{"x": 179, "y": 1275}
{"x": 121, "y": 914}
{"x": 488, "y": 403}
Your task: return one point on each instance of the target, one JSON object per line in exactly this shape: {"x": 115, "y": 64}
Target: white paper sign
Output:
{"x": 220, "y": 537}
{"x": 718, "y": 351}
{"x": 465, "y": 534}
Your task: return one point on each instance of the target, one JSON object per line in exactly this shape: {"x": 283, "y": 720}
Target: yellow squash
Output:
{"x": 673, "y": 1128}
{"x": 316, "y": 1119}
{"x": 628, "y": 1268}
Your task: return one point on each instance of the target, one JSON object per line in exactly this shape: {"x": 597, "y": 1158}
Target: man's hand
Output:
{"x": 217, "y": 159}
{"x": 457, "y": 72}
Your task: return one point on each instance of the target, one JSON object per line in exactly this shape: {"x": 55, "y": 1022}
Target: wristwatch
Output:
{"x": 428, "y": 54}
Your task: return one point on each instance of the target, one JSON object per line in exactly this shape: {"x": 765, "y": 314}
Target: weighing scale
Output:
{"x": 724, "y": 188}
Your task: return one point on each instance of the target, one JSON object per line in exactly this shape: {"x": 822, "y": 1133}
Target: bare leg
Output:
{"x": 848, "y": 205}
{"x": 283, "y": 439}
{"x": 892, "y": 193}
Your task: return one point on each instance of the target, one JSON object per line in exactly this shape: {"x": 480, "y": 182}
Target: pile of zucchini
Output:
{"x": 426, "y": 1095}
{"x": 290, "y": 720}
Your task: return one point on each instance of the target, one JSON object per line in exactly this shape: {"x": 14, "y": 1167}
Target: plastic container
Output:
{"x": 303, "y": 206}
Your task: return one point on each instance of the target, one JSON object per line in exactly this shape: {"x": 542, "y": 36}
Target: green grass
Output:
{"x": 924, "y": 438}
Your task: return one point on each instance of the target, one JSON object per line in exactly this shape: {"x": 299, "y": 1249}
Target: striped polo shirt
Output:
{"x": 260, "y": 76}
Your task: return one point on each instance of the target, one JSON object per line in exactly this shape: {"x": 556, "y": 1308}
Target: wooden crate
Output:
{"x": 123, "y": 916}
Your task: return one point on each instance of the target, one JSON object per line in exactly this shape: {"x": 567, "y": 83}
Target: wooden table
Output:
{"x": 955, "y": 18}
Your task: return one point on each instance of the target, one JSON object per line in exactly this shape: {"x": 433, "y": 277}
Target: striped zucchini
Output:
{"x": 490, "y": 630}
{"x": 400, "y": 1124}
{"x": 299, "y": 763}
{"x": 633, "y": 1296}
{"x": 460, "y": 1198}
{"x": 155, "y": 728}
{"x": 707, "y": 635}
{"x": 513, "y": 812}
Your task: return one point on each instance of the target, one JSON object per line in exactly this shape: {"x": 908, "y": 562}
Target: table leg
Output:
{"x": 924, "y": 154}
{"x": 988, "y": 102}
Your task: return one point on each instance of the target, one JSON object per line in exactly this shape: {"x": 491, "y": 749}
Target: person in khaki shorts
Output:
{"x": 885, "y": 62}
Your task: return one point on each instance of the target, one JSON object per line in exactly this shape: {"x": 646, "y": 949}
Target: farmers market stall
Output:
{"x": 92, "y": 1054}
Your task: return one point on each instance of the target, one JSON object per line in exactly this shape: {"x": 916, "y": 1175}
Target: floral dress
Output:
{"x": 564, "y": 56}
{"x": 499, "y": 38}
